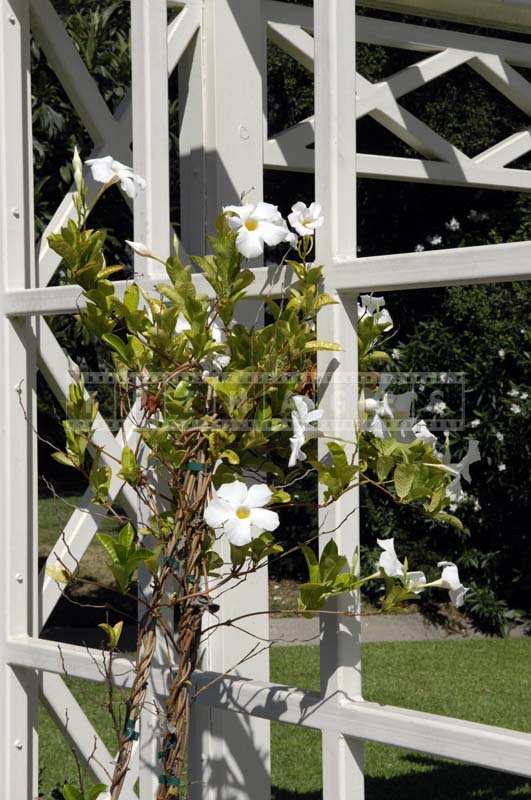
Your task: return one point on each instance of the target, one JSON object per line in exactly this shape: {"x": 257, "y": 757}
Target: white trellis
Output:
{"x": 220, "y": 46}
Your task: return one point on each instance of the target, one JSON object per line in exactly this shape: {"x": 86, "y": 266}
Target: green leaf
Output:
{"x": 130, "y": 471}
{"x": 384, "y": 466}
{"x": 320, "y": 345}
{"x": 313, "y": 563}
{"x": 94, "y": 792}
{"x": 71, "y": 792}
{"x": 109, "y": 544}
{"x": 449, "y": 519}
{"x": 403, "y": 476}
{"x": 113, "y": 633}
{"x": 118, "y": 345}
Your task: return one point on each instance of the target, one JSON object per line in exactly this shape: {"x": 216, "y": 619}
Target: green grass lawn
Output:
{"x": 483, "y": 680}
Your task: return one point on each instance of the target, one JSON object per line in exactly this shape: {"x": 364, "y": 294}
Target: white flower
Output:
{"x": 477, "y": 505}
{"x": 291, "y": 239}
{"x": 475, "y": 423}
{"x": 182, "y": 324}
{"x": 419, "y": 248}
{"x": 502, "y": 467}
{"x": 461, "y": 469}
{"x": 394, "y": 568}
{"x": 139, "y": 248}
{"x": 434, "y": 240}
{"x": 256, "y": 226}
{"x": 396, "y": 353}
{"x": 437, "y": 407}
{"x": 477, "y": 216}
{"x": 515, "y": 408}
{"x": 377, "y": 411}
{"x": 453, "y": 225}
{"x": 450, "y": 580}
{"x": 305, "y": 219}
{"x": 219, "y": 335}
{"x": 374, "y": 307}
{"x": 513, "y": 393}
{"x": 501, "y": 352}
{"x": 107, "y": 170}
{"x": 443, "y": 377}
{"x": 524, "y": 395}
{"x": 499, "y": 436}
{"x": 238, "y": 511}
{"x": 422, "y": 432}
{"x": 302, "y": 418}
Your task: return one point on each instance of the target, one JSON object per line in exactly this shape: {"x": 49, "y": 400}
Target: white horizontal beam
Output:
{"x": 513, "y": 15}
{"x": 53, "y": 300}
{"x": 462, "y": 265}
{"x": 483, "y": 745}
{"x": 483, "y": 264}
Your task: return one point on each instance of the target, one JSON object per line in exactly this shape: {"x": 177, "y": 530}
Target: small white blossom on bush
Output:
{"x": 396, "y": 353}
{"x": 106, "y": 170}
{"x": 419, "y": 248}
{"x": 434, "y": 240}
{"x": 475, "y": 423}
{"x": 524, "y": 395}
{"x": 502, "y": 467}
{"x": 238, "y": 511}
{"x": 453, "y": 225}
{"x": 374, "y": 307}
{"x": 499, "y": 436}
{"x": 306, "y": 219}
{"x": 437, "y": 407}
{"x": 515, "y": 408}
{"x": 256, "y": 226}
{"x": 501, "y": 352}
{"x": 422, "y": 432}
{"x": 513, "y": 393}
{"x": 302, "y": 418}
{"x": 450, "y": 580}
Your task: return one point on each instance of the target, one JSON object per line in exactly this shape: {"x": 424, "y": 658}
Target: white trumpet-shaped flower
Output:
{"x": 450, "y": 580}
{"x": 305, "y": 219}
{"x": 370, "y": 306}
{"x": 461, "y": 470}
{"x": 139, "y": 248}
{"x": 394, "y": 568}
{"x": 107, "y": 170}
{"x": 387, "y": 407}
{"x": 303, "y": 417}
{"x": 256, "y": 226}
{"x": 238, "y": 511}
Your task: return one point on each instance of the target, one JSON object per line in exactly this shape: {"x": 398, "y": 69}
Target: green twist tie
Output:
{"x": 168, "y": 561}
{"x": 195, "y": 466}
{"x": 172, "y": 741}
{"x": 129, "y": 731}
{"x": 169, "y": 780}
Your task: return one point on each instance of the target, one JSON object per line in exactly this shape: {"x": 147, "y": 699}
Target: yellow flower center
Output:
{"x": 243, "y": 512}
{"x": 251, "y": 224}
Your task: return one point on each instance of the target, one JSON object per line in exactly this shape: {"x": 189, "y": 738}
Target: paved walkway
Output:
{"x": 302, "y": 631}
{"x": 384, "y": 628}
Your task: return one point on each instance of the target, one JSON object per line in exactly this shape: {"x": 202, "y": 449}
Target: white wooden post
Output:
{"x": 149, "y": 55}
{"x": 18, "y": 546}
{"x": 221, "y": 144}
{"x": 336, "y": 189}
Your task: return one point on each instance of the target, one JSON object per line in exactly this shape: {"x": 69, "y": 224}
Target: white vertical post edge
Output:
{"x": 221, "y": 145}
{"x": 18, "y": 546}
{"x": 149, "y": 58}
{"x": 335, "y": 142}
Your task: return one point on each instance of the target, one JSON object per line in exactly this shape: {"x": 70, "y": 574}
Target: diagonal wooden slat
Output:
{"x": 75, "y": 726}
{"x": 180, "y": 33}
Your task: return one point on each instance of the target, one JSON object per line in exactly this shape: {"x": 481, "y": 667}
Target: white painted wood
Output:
{"x": 514, "y": 15}
{"x": 221, "y": 144}
{"x": 335, "y": 188}
{"x": 18, "y": 478}
{"x": 506, "y": 151}
{"x": 483, "y": 745}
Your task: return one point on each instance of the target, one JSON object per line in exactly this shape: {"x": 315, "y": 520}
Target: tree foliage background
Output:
{"x": 479, "y": 330}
